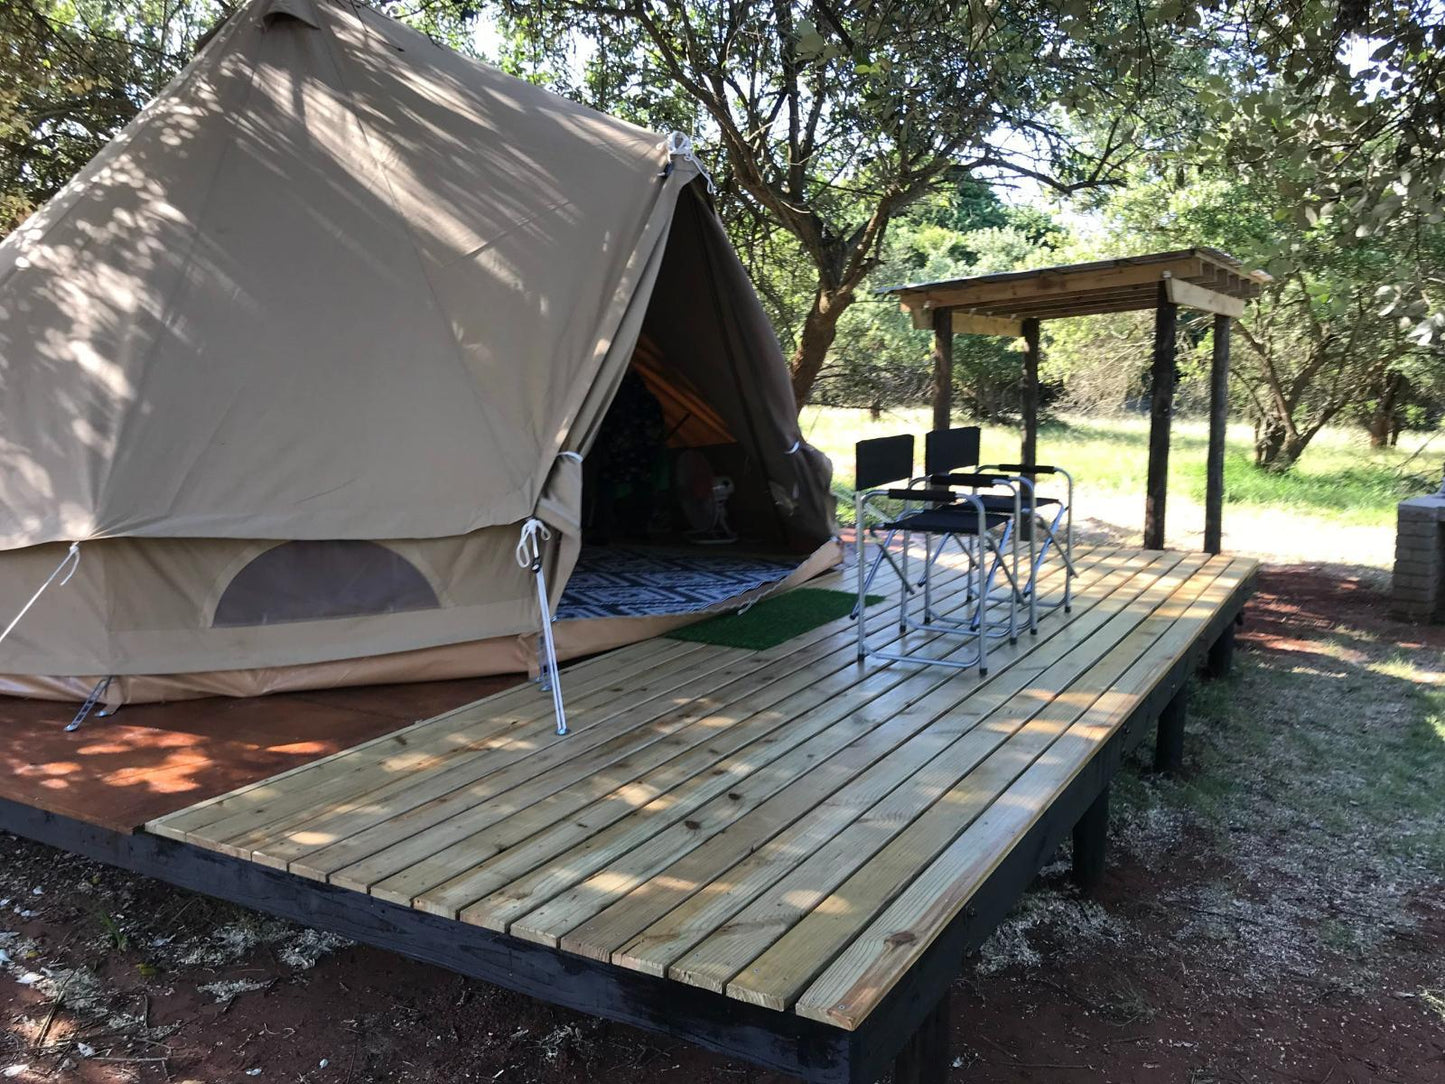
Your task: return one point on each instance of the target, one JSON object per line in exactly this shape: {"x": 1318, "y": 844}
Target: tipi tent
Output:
{"x": 297, "y": 356}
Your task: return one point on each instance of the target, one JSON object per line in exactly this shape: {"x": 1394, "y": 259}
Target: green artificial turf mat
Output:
{"x": 774, "y": 620}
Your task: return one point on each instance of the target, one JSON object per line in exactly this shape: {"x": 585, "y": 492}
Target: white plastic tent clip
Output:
{"x": 679, "y": 145}
{"x": 529, "y": 555}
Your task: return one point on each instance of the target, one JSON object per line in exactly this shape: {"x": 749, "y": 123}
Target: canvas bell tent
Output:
{"x": 299, "y": 355}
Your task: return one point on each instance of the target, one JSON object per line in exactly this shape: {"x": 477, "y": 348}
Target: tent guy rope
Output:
{"x": 72, "y": 558}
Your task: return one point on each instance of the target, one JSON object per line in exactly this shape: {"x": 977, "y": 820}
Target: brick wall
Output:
{"x": 1419, "y": 583}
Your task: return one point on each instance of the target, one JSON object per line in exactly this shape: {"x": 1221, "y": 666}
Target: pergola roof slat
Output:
{"x": 1219, "y": 282}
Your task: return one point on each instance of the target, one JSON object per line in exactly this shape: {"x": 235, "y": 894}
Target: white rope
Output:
{"x": 796, "y": 445}
{"x": 529, "y": 550}
{"x": 72, "y": 558}
{"x": 679, "y": 145}
{"x": 570, "y": 455}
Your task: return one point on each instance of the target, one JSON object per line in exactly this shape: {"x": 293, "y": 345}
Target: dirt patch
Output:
{"x": 1274, "y": 915}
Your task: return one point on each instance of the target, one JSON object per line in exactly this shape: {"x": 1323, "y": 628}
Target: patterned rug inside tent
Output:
{"x": 620, "y": 581}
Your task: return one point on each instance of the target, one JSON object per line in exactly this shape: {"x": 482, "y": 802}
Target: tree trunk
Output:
{"x": 820, "y": 328}
{"x": 1383, "y": 425}
{"x": 1379, "y": 428}
{"x": 1277, "y": 447}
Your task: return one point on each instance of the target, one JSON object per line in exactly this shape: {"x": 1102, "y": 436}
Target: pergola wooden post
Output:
{"x": 1029, "y": 450}
{"x": 1014, "y": 304}
{"x": 1218, "y": 418}
{"x": 1161, "y": 412}
{"x": 942, "y": 367}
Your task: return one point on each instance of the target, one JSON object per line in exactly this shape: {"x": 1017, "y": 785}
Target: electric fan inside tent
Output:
{"x": 704, "y": 498}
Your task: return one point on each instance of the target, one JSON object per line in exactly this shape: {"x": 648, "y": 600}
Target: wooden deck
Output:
{"x": 785, "y": 827}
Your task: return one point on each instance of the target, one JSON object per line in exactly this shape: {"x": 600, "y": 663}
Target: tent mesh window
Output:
{"x": 312, "y": 581}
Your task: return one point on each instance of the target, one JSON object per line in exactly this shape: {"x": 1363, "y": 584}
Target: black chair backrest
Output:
{"x": 945, "y": 450}
{"x": 883, "y": 460}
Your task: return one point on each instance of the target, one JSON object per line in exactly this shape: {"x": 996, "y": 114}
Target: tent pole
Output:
{"x": 549, "y": 647}
{"x": 91, "y": 701}
{"x": 529, "y": 556}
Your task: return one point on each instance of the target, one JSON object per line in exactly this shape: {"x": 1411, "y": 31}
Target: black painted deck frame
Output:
{"x": 780, "y": 1041}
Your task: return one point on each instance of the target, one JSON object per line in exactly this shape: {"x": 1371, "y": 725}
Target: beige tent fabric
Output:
{"x": 333, "y": 316}
{"x": 473, "y": 658}
{"x": 147, "y": 606}
{"x": 326, "y": 262}
{"x": 727, "y": 347}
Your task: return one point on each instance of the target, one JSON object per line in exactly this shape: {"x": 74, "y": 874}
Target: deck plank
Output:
{"x": 780, "y": 973}
{"x": 389, "y": 842}
{"x": 832, "y": 843}
{"x": 949, "y": 716}
{"x": 343, "y": 797}
{"x": 786, "y": 827}
{"x": 750, "y": 720}
{"x": 459, "y": 729}
{"x": 834, "y": 713}
{"x": 868, "y": 968}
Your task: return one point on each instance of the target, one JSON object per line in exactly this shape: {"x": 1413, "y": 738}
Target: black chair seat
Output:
{"x": 955, "y": 519}
{"x": 1000, "y": 503}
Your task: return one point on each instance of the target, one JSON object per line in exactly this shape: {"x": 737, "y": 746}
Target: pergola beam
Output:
{"x": 967, "y": 323}
{"x": 1002, "y": 318}
{"x": 1193, "y": 296}
{"x": 1045, "y": 285}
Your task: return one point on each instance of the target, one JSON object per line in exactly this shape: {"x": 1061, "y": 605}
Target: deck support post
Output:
{"x": 1028, "y": 453}
{"x": 1221, "y": 654}
{"x": 1161, "y": 412}
{"x": 1218, "y": 419}
{"x": 1091, "y": 840}
{"x": 1169, "y": 744}
{"x": 942, "y": 368}
{"x": 924, "y": 1057}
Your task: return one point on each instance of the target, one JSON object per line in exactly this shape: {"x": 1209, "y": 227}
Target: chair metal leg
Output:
{"x": 863, "y": 581}
{"x": 982, "y": 611}
{"x": 877, "y": 563}
{"x": 903, "y": 575}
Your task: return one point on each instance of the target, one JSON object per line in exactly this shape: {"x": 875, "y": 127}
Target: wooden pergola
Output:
{"x": 1017, "y": 302}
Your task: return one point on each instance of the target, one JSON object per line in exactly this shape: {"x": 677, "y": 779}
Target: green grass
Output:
{"x": 1317, "y": 771}
{"x": 1351, "y": 747}
{"x": 1339, "y": 477}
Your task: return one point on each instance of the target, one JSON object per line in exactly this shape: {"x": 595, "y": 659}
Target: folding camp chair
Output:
{"x": 946, "y": 453}
{"x": 881, "y": 461}
{"x": 1039, "y": 522}
{"x": 887, "y": 462}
